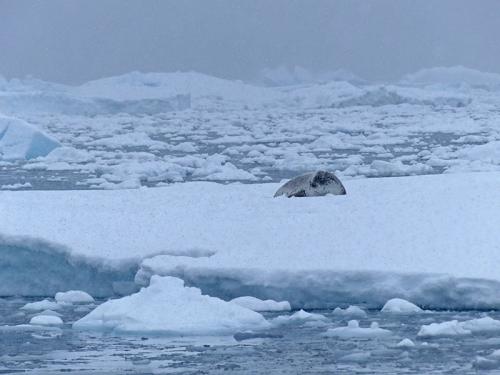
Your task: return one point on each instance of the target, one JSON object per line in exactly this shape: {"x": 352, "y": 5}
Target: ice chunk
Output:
{"x": 168, "y": 307}
{"x": 46, "y": 320}
{"x": 74, "y": 296}
{"x": 299, "y": 316}
{"x": 41, "y": 305}
{"x": 451, "y": 328}
{"x": 359, "y": 357}
{"x": 353, "y": 330}
{"x": 19, "y": 140}
{"x": 256, "y": 304}
{"x": 49, "y": 313}
{"x": 405, "y": 344}
{"x": 481, "y": 325}
{"x": 400, "y": 306}
{"x": 351, "y": 311}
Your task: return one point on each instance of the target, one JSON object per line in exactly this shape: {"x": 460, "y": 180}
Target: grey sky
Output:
{"x": 76, "y": 40}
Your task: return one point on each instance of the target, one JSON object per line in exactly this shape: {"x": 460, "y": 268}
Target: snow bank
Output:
{"x": 74, "y": 296}
{"x": 167, "y": 307}
{"x": 353, "y": 330}
{"x": 19, "y": 140}
{"x": 400, "y": 306}
{"x": 256, "y": 304}
{"x": 409, "y": 237}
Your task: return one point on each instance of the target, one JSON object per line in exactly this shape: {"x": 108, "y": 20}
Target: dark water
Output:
{"x": 297, "y": 348}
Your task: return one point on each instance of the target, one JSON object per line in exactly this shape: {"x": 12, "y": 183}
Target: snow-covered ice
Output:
{"x": 256, "y": 304}
{"x": 455, "y": 328}
{"x": 408, "y": 236}
{"x": 400, "y": 306}
{"x": 41, "y": 305}
{"x": 73, "y": 296}
{"x": 46, "y": 320}
{"x": 351, "y": 311}
{"x": 167, "y": 307}
{"x": 353, "y": 330}
{"x": 406, "y": 344}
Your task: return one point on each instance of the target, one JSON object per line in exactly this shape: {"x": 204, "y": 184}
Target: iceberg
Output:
{"x": 19, "y": 140}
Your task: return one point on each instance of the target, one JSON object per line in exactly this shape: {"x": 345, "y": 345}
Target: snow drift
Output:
{"x": 19, "y": 140}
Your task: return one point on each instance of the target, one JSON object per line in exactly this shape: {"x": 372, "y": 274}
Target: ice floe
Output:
{"x": 351, "y": 311}
{"x": 73, "y": 296}
{"x": 353, "y": 330}
{"x": 400, "y": 306}
{"x": 256, "y": 304}
{"x": 46, "y": 320}
{"x": 167, "y": 307}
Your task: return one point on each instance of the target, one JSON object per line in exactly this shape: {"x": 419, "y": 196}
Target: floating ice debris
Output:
{"x": 167, "y": 307}
{"x": 46, "y": 320}
{"x": 256, "y": 304}
{"x": 351, "y": 311}
{"x": 405, "y": 344}
{"x": 400, "y": 306}
{"x": 353, "y": 330}
{"x": 74, "y": 296}
{"x": 41, "y": 305}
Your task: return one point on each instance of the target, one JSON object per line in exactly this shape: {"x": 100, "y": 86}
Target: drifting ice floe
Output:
{"x": 168, "y": 307}
{"x": 455, "y": 328}
{"x": 41, "y": 305}
{"x": 400, "y": 306}
{"x": 73, "y": 296}
{"x": 351, "y": 311}
{"x": 256, "y": 304}
{"x": 353, "y": 330}
{"x": 46, "y": 320}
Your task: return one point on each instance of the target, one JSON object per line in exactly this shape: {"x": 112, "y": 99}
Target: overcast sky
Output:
{"x": 72, "y": 41}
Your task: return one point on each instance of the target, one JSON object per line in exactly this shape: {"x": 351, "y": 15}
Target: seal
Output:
{"x": 315, "y": 184}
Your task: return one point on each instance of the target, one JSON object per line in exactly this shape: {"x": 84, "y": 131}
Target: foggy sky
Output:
{"x": 72, "y": 41}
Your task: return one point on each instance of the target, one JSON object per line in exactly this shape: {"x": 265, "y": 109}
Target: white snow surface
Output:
{"x": 41, "y": 305}
{"x": 167, "y": 307}
{"x": 20, "y": 140}
{"x": 409, "y": 237}
{"x": 256, "y": 304}
{"x": 400, "y": 306}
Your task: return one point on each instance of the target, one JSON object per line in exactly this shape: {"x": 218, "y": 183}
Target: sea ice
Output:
{"x": 74, "y": 296}
{"x": 46, "y": 320}
{"x": 445, "y": 329}
{"x": 400, "y": 306}
{"x": 299, "y": 317}
{"x": 167, "y": 307}
{"x": 256, "y": 304}
{"x": 353, "y": 330}
{"x": 405, "y": 344}
{"x": 41, "y": 305}
{"x": 351, "y": 311}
